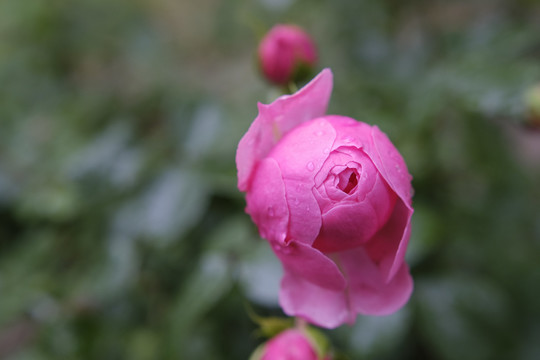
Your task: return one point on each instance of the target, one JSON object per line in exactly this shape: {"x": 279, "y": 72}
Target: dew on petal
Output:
{"x": 282, "y": 249}
{"x": 286, "y": 250}
{"x": 310, "y": 166}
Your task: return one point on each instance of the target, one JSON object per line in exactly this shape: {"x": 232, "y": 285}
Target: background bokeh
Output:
{"x": 122, "y": 233}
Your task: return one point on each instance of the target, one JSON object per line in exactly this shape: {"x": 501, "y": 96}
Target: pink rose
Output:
{"x": 284, "y": 51}
{"x": 290, "y": 344}
{"x": 333, "y": 197}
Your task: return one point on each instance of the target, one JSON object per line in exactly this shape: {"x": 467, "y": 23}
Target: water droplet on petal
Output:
{"x": 319, "y": 133}
{"x": 310, "y": 166}
{"x": 326, "y": 151}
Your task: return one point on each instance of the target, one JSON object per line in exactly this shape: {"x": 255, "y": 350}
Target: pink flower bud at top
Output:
{"x": 532, "y": 103}
{"x": 286, "y": 54}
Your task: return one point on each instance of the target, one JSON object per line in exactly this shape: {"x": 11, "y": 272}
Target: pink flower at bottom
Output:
{"x": 291, "y": 344}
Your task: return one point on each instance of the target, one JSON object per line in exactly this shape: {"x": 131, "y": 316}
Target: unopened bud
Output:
{"x": 287, "y": 54}
{"x": 293, "y": 344}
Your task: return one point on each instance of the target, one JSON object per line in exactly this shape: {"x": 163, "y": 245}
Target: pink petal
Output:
{"x": 369, "y": 293}
{"x": 390, "y": 243}
{"x": 304, "y": 212}
{"x": 334, "y": 159}
{"x": 380, "y": 150}
{"x": 347, "y": 226}
{"x": 266, "y": 203}
{"x": 320, "y": 306}
{"x": 391, "y": 165}
{"x": 277, "y": 119}
{"x": 351, "y": 132}
{"x": 302, "y": 152}
{"x": 310, "y": 264}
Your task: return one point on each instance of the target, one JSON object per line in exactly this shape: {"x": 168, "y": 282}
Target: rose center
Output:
{"x": 348, "y": 180}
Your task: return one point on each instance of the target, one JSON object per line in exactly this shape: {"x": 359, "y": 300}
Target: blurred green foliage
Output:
{"x": 122, "y": 233}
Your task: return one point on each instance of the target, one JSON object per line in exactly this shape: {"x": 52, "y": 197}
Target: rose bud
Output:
{"x": 286, "y": 54}
{"x": 291, "y": 344}
{"x": 333, "y": 198}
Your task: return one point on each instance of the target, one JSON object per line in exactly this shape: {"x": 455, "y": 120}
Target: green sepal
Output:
{"x": 318, "y": 340}
{"x": 258, "y": 353}
{"x": 532, "y": 100}
{"x": 269, "y": 326}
